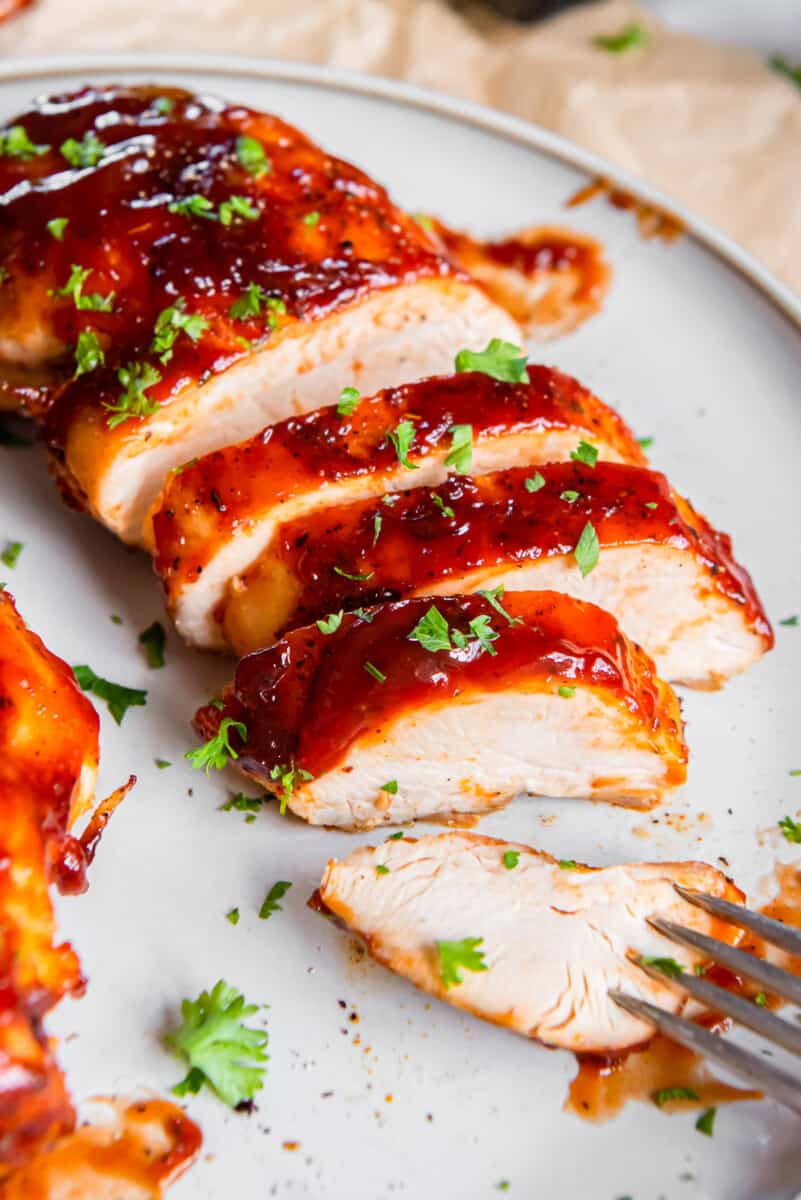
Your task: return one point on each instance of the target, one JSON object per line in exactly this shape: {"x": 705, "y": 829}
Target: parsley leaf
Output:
{"x": 391, "y": 787}
{"x": 380, "y": 869}
{"x": 483, "y": 632}
{"x": 567, "y": 691}
{"x": 86, "y": 153}
{"x": 783, "y": 67}
{"x": 194, "y": 206}
{"x": 570, "y": 496}
{"x": 57, "y": 226}
{"x": 239, "y": 802}
{"x": 790, "y": 621}
{"x": 645, "y": 443}
{"x": 136, "y": 378}
{"x": 500, "y": 360}
{"x": 250, "y": 305}
{"x": 510, "y": 859}
{"x": 665, "y": 1095}
{"x": 220, "y": 1048}
{"x": 402, "y": 438}
{"x": 162, "y": 763}
{"x": 378, "y": 521}
{"x": 10, "y": 553}
{"x": 163, "y": 105}
{"x": 423, "y": 220}
{"x": 444, "y": 508}
{"x": 791, "y": 830}
{"x": 454, "y": 956}
{"x": 152, "y": 641}
{"x": 535, "y": 482}
{"x": 587, "y": 551}
{"x": 567, "y": 864}
{"x": 760, "y": 999}
{"x": 233, "y": 916}
{"x": 217, "y": 751}
{"x": 311, "y": 219}
{"x": 287, "y": 776}
{"x": 270, "y": 904}
{"x": 88, "y": 353}
{"x": 118, "y": 698}
{"x": 15, "y": 143}
{"x": 251, "y": 156}
{"x": 331, "y": 623}
{"x": 585, "y": 453}
{"x": 432, "y": 631}
{"x": 630, "y": 38}
{"x": 396, "y": 837}
{"x": 238, "y": 206}
{"x": 170, "y": 323}
{"x": 706, "y": 1122}
{"x": 460, "y": 455}
{"x": 494, "y": 596}
{"x": 373, "y": 670}
{"x": 667, "y": 966}
{"x": 349, "y": 398}
{"x": 74, "y": 288}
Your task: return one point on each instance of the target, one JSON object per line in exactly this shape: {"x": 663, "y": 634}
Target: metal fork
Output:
{"x": 780, "y": 1084}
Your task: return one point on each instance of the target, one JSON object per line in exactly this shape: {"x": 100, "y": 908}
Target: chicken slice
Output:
{"x": 553, "y": 938}
{"x": 397, "y": 714}
{"x": 216, "y": 516}
{"x": 48, "y": 762}
{"x": 669, "y": 577}
{"x": 200, "y": 270}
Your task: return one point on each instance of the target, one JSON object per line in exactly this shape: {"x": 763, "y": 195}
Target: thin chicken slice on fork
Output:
{"x": 216, "y": 516}
{"x": 419, "y": 709}
{"x": 200, "y": 270}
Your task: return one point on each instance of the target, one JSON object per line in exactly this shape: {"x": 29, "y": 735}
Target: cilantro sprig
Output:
{"x": 287, "y": 776}
{"x": 500, "y": 360}
{"x": 217, "y": 752}
{"x": 222, "y": 1051}
{"x": 457, "y": 956}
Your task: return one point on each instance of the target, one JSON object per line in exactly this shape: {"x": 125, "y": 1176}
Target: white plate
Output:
{"x": 691, "y": 352}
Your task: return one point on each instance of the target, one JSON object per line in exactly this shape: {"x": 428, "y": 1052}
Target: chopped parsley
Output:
{"x": 432, "y": 631}
{"x": 650, "y": 504}
{"x": 86, "y": 153}
{"x": 439, "y": 503}
{"x": 402, "y": 438}
{"x": 331, "y": 623}
{"x": 567, "y": 691}
{"x": 391, "y": 786}
{"x": 270, "y": 904}
{"x": 118, "y": 698}
{"x": 136, "y": 378}
{"x": 666, "y": 1095}
{"x": 510, "y": 859}
{"x": 460, "y": 455}
{"x": 378, "y": 521}
{"x": 233, "y": 916}
{"x": 287, "y": 776}
{"x": 567, "y": 864}
{"x": 74, "y": 288}
{"x": 311, "y": 219}
{"x": 15, "y": 143}
{"x": 348, "y": 401}
{"x": 783, "y": 67}
{"x": 10, "y": 553}
{"x": 373, "y": 670}
{"x": 115, "y": 619}
{"x": 632, "y": 37}
{"x": 218, "y": 751}
{"x": 585, "y": 453}
{"x": 424, "y": 221}
{"x": 760, "y": 999}
{"x": 482, "y": 631}
{"x": 455, "y": 956}
{"x": 251, "y": 156}
{"x": 162, "y": 763}
{"x": 194, "y": 206}
{"x": 355, "y": 576}
{"x": 239, "y": 802}
{"x": 380, "y": 869}
{"x": 396, "y": 837}
{"x": 791, "y": 830}
{"x": 250, "y": 305}
{"x": 587, "y": 551}
{"x": 645, "y": 443}
{"x": 794, "y": 773}
{"x": 706, "y": 1122}
{"x": 790, "y": 621}
{"x": 570, "y": 496}
{"x": 535, "y": 482}
{"x": 170, "y": 323}
{"x": 500, "y": 360}
{"x": 152, "y": 640}
{"x": 667, "y": 966}
{"x": 238, "y": 206}
{"x": 57, "y": 226}
{"x": 222, "y": 1051}
{"x": 494, "y": 596}
{"x": 88, "y": 353}
{"x": 163, "y": 105}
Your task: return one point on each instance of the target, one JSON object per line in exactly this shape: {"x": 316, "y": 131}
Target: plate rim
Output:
{"x": 411, "y": 95}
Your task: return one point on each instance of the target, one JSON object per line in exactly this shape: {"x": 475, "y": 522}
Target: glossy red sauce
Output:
{"x": 308, "y": 698}
{"x": 206, "y": 501}
{"x": 325, "y": 236}
{"x": 495, "y": 521}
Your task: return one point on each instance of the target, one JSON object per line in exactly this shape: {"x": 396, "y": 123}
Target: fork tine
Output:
{"x": 742, "y": 1063}
{"x": 745, "y": 1012}
{"x": 768, "y": 976}
{"x": 779, "y": 934}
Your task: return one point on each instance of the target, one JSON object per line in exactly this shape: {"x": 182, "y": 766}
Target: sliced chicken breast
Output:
{"x": 200, "y": 271}
{"x": 614, "y": 534}
{"x": 216, "y": 516}
{"x": 514, "y": 937}
{"x": 48, "y": 761}
{"x": 418, "y": 709}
